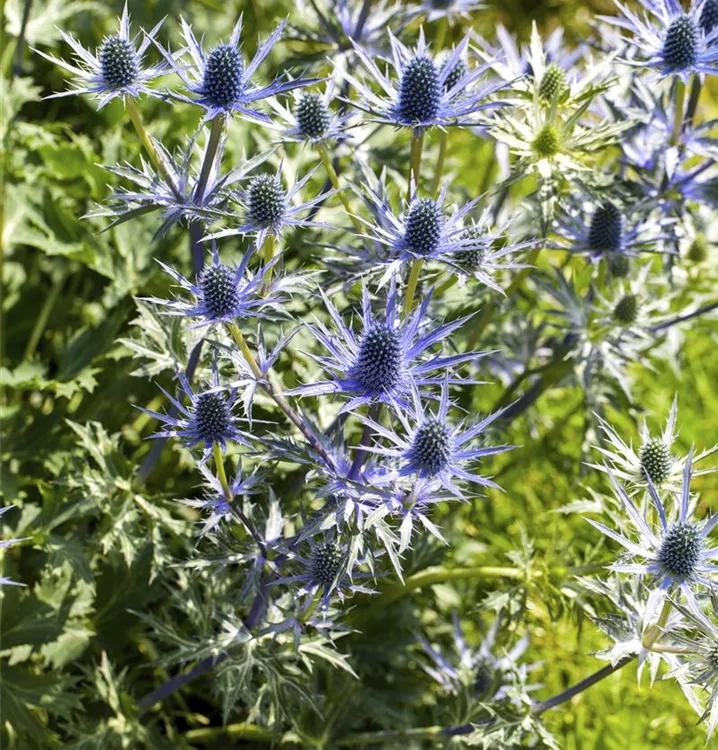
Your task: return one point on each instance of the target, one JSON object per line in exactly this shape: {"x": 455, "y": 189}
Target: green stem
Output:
{"x": 680, "y": 107}
{"x": 411, "y": 285}
{"x": 334, "y": 179}
{"x": 653, "y": 632}
{"x": 438, "y": 173}
{"x": 269, "y": 249}
{"x": 215, "y": 138}
{"x": 221, "y": 474}
{"x": 242, "y": 731}
{"x": 435, "y": 575}
{"x": 417, "y": 147}
{"x": 148, "y": 145}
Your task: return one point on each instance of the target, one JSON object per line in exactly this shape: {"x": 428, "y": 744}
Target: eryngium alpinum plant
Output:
{"x": 387, "y": 285}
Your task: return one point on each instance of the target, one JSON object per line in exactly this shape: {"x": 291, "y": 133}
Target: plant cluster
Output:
{"x": 400, "y": 215}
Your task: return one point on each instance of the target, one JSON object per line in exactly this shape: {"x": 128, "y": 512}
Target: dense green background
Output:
{"x": 67, "y": 303}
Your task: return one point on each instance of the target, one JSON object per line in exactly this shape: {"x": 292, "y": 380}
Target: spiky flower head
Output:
{"x": 115, "y": 70}
{"x": 326, "y": 563}
{"x": 386, "y": 358}
{"x": 270, "y": 207}
{"x": 224, "y": 293}
{"x": 547, "y": 142}
{"x": 606, "y": 228}
{"x": 670, "y": 40}
{"x": 626, "y": 309}
{"x": 313, "y": 119}
{"x": 553, "y": 83}
{"x": 674, "y": 554}
{"x": 208, "y": 419}
{"x": 698, "y": 249}
{"x": 429, "y": 446}
{"x": 419, "y": 94}
{"x": 379, "y": 364}
{"x": 220, "y": 82}
{"x": 709, "y": 16}
{"x": 656, "y": 460}
{"x": 266, "y": 201}
{"x": 619, "y": 264}
{"x": 423, "y": 225}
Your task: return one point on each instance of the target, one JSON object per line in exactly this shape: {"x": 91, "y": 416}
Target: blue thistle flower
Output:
{"x": 206, "y": 420}
{"x": 219, "y": 81}
{"x": 325, "y": 570}
{"x": 387, "y": 360}
{"x": 115, "y": 70}
{"x": 223, "y": 293}
{"x": 605, "y": 229}
{"x": 481, "y": 672}
{"x": 675, "y": 556}
{"x": 433, "y": 448}
{"x": 311, "y": 119}
{"x": 424, "y": 231}
{"x": 668, "y": 39}
{"x": 418, "y": 97}
{"x": 269, "y": 208}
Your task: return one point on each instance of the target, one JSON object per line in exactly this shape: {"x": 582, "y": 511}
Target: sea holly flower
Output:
{"x": 654, "y": 460}
{"x": 416, "y": 96}
{"x": 387, "y": 359}
{"x": 172, "y": 190}
{"x": 669, "y": 39}
{"x": 115, "y": 70}
{"x": 606, "y": 229}
{"x": 269, "y": 208}
{"x": 220, "y": 82}
{"x": 326, "y": 570}
{"x": 424, "y": 231}
{"x": 214, "y": 505}
{"x": 311, "y": 119}
{"x": 674, "y": 554}
{"x": 4, "y": 544}
{"x": 429, "y": 446}
{"x": 206, "y": 420}
{"x": 480, "y": 672}
{"x": 224, "y": 293}
{"x": 554, "y": 143}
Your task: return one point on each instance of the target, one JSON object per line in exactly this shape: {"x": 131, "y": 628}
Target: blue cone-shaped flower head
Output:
{"x": 607, "y": 229}
{"x": 425, "y": 231}
{"x": 311, "y": 119}
{"x": 421, "y": 94}
{"x": 270, "y": 208}
{"x": 224, "y": 293}
{"x": 207, "y": 419}
{"x": 116, "y": 69}
{"x": 669, "y": 39}
{"x": 430, "y": 446}
{"x": 324, "y": 570}
{"x": 220, "y": 82}
{"x": 387, "y": 358}
{"x": 676, "y": 555}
